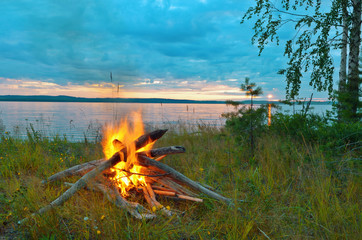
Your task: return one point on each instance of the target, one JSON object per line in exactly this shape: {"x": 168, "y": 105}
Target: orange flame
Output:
{"x": 123, "y": 135}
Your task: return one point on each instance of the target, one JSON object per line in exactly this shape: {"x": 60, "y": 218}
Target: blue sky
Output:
{"x": 187, "y": 49}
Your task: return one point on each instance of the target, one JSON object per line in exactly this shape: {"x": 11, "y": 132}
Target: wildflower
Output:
{"x": 208, "y": 232}
{"x": 86, "y": 218}
{"x": 103, "y": 217}
{"x": 98, "y": 232}
{"x": 201, "y": 169}
{"x": 168, "y": 207}
{"x": 154, "y": 209}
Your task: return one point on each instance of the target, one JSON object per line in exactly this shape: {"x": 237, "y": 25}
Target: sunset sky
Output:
{"x": 186, "y": 49}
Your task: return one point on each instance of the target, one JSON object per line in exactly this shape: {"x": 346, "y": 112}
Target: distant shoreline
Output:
{"x": 44, "y": 98}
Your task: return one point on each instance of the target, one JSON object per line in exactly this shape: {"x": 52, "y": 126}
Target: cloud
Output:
{"x": 167, "y": 42}
{"x": 198, "y": 90}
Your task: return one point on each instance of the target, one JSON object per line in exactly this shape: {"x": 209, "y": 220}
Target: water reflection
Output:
{"x": 269, "y": 114}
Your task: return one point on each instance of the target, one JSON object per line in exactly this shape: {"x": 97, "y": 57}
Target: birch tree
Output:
{"x": 319, "y": 28}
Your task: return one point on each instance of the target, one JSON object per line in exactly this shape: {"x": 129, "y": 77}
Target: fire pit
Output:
{"x": 132, "y": 165}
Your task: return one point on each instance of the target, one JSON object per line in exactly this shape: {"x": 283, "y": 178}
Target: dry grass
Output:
{"x": 290, "y": 189}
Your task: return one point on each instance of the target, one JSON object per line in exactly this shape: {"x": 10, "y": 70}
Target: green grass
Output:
{"x": 293, "y": 190}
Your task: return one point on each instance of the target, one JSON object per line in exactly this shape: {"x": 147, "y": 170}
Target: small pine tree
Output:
{"x": 251, "y": 90}
{"x": 248, "y": 87}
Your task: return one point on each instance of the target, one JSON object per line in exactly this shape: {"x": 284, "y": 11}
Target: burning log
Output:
{"x": 132, "y": 166}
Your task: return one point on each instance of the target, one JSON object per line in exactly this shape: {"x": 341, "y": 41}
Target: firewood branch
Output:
{"x": 164, "y": 151}
{"x": 83, "y": 168}
{"x": 135, "y": 209}
{"x": 74, "y": 170}
{"x": 151, "y": 200}
{"x": 160, "y": 179}
{"x": 82, "y": 182}
{"x": 146, "y": 161}
{"x": 147, "y": 175}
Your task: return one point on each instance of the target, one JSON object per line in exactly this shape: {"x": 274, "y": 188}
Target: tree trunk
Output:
{"x": 343, "y": 64}
{"x": 354, "y": 50}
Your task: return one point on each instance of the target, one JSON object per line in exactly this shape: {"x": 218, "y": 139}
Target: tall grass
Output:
{"x": 292, "y": 190}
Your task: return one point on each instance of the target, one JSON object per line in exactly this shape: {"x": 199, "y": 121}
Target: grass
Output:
{"x": 293, "y": 190}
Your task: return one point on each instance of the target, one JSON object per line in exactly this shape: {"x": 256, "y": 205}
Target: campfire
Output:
{"x": 132, "y": 165}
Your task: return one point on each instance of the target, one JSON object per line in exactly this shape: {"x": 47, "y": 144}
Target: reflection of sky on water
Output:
{"x": 79, "y": 120}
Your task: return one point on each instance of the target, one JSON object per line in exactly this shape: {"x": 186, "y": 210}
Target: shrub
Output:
{"x": 313, "y": 128}
{"x": 243, "y": 119}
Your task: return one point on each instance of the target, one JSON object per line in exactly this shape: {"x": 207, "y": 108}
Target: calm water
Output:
{"x": 79, "y": 120}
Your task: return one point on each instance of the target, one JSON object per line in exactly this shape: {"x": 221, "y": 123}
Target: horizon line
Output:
{"x": 50, "y": 98}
